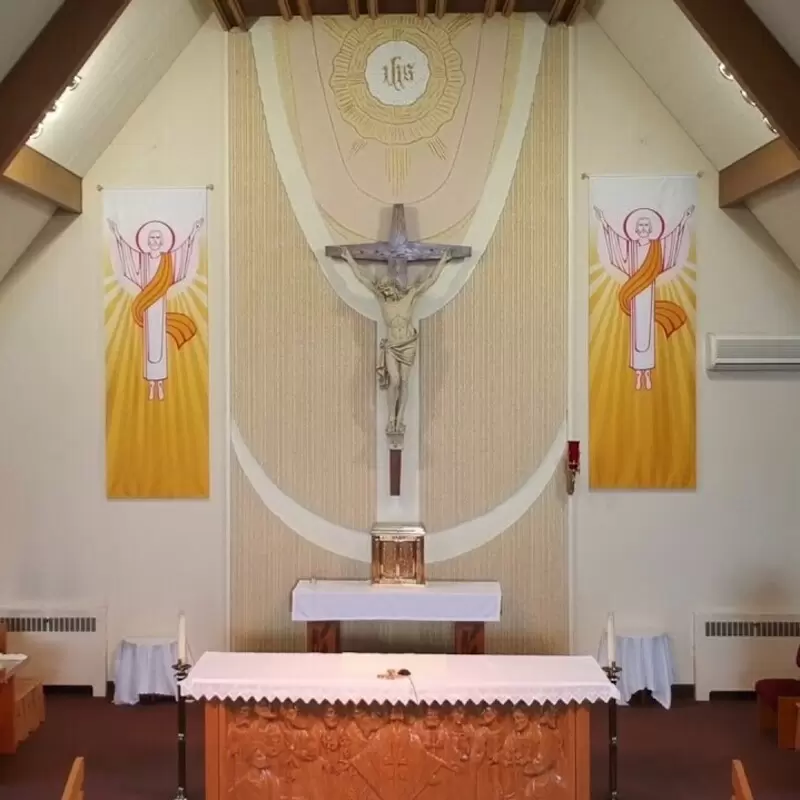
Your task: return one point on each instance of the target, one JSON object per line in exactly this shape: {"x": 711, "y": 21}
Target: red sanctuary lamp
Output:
{"x": 573, "y": 464}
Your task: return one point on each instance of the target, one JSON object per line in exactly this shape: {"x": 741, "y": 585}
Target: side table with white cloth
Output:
{"x": 645, "y": 660}
{"x": 402, "y": 726}
{"x": 324, "y": 605}
{"x": 143, "y": 666}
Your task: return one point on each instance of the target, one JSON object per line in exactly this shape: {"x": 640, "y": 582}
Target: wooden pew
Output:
{"x": 21, "y": 705}
{"x": 741, "y": 786}
{"x": 73, "y": 790}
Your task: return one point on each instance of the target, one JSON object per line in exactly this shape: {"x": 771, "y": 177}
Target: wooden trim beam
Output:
{"x": 372, "y": 9}
{"x": 35, "y": 173}
{"x": 769, "y": 165}
{"x": 758, "y": 63}
{"x": 223, "y": 14}
{"x": 565, "y": 11}
{"x": 46, "y": 68}
{"x": 304, "y": 7}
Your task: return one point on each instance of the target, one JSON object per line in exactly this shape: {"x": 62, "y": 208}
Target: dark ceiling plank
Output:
{"x": 284, "y": 9}
{"x": 39, "y": 175}
{"x": 46, "y": 68}
{"x": 223, "y": 14}
{"x": 565, "y": 11}
{"x": 768, "y": 166}
{"x": 239, "y": 17}
{"x": 760, "y": 65}
{"x": 304, "y": 7}
{"x": 268, "y": 8}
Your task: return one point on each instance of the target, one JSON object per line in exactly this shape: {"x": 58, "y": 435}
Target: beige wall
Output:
{"x": 493, "y": 392}
{"x": 63, "y": 543}
{"x": 657, "y": 557}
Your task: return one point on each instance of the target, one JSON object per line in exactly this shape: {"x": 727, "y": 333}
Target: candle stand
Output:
{"x": 181, "y": 670}
{"x": 613, "y": 671}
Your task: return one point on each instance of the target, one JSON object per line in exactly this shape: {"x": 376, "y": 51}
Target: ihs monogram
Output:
{"x": 398, "y": 73}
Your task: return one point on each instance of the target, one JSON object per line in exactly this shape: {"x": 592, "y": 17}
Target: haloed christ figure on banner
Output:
{"x": 155, "y": 263}
{"x": 643, "y": 252}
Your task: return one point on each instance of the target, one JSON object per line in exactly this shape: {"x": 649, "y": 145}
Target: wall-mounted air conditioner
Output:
{"x": 748, "y": 352}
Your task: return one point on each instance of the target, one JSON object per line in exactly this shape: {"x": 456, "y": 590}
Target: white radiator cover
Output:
{"x": 65, "y": 646}
{"x": 732, "y": 650}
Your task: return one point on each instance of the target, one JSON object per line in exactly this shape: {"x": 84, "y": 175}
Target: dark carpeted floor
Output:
{"x": 681, "y": 754}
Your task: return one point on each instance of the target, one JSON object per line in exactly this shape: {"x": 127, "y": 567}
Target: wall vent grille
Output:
{"x": 48, "y": 624}
{"x": 772, "y": 628}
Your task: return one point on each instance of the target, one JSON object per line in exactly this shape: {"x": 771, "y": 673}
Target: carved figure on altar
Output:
{"x": 489, "y": 740}
{"x": 398, "y": 350}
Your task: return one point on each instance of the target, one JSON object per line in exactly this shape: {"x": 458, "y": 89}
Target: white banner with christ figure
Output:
{"x": 156, "y": 321}
{"x": 642, "y": 352}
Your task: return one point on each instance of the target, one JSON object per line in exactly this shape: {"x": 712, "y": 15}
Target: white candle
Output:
{"x": 611, "y": 638}
{"x": 181, "y": 639}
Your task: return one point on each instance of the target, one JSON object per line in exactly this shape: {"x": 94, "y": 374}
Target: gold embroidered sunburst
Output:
{"x": 397, "y": 80}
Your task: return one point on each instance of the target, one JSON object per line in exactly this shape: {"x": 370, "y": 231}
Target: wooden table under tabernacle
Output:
{"x": 313, "y": 726}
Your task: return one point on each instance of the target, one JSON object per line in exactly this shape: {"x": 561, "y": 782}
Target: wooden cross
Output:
{"x": 398, "y": 252}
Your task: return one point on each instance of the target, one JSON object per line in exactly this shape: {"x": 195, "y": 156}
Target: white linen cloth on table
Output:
{"x": 354, "y": 677}
{"x": 646, "y": 663}
{"x": 437, "y": 601}
{"x": 143, "y": 665}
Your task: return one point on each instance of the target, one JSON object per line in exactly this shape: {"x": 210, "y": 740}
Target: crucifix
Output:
{"x": 397, "y": 297}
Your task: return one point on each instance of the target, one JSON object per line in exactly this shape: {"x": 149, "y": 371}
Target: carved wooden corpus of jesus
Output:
{"x": 397, "y": 298}
{"x": 398, "y": 350}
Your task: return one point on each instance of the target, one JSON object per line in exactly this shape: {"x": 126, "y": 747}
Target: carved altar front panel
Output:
{"x": 430, "y": 752}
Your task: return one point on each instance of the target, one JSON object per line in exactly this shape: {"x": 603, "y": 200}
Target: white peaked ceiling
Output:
{"x": 686, "y": 78}
{"x": 135, "y": 54}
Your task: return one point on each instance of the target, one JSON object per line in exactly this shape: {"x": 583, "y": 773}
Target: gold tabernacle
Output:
{"x": 398, "y": 554}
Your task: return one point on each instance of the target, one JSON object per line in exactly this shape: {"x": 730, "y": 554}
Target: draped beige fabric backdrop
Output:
{"x": 493, "y": 366}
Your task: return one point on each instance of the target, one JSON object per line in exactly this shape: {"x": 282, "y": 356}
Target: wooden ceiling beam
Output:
{"x": 565, "y": 11}
{"x": 755, "y": 59}
{"x": 223, "y": 14}
{"x": 39, "y": 175}
{"x": 254, "y": 9}
{"x": 768, "y": 166}
{"x": 46, "y": 68}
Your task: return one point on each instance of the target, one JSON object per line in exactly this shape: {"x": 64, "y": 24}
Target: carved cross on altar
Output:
{"x": 397, "y": 298}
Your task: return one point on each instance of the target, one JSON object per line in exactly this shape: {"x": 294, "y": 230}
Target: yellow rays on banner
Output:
{"x": 157, "y": 448}
{"x": 641, "y": 439}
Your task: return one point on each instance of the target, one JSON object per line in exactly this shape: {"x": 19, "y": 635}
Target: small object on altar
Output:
{"x": 398, "y": 554}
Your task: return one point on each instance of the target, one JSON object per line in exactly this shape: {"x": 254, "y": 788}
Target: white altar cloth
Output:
{"x": 11, "y": 663}
{"x": 353, "y": 677}
{"x": 437, "y": 601}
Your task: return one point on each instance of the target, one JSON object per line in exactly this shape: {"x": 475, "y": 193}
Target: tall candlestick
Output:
{"x": 611, "y": 637}
{"x": 181, "y": 639}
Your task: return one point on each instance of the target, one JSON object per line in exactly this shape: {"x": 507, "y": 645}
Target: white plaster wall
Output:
{"x": 656, "y": 557}
{"x": 63, "y": 542}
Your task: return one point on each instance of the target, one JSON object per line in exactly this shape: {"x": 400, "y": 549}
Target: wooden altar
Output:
{"x": 260, "y": 745}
